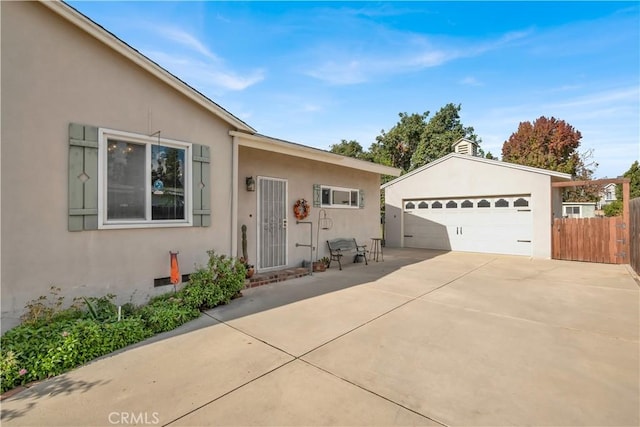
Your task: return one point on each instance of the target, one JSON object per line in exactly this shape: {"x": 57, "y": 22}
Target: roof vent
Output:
{"x": 465, "y": 146}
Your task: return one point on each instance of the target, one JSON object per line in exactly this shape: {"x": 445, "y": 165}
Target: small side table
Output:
{"x": 376, "y": 249}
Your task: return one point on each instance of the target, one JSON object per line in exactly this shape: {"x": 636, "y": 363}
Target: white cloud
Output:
{"x": 185, "y": 39}
{"x": 201, "y": 74}
{"x": 393, "y": 53}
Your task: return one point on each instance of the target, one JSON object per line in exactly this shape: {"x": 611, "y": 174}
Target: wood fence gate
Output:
{"x": 604, "y": 240}
{"x": 590, "y": 239}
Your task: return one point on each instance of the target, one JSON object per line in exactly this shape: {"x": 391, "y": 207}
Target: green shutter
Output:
{"x": 317, "y": 196}
{"x": 361, "y": 203}
{"x": 83, "y": 177}
{"x": 201, "y": 184}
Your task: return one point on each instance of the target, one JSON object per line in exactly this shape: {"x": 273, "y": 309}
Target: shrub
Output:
{"x": 42, "y": 310}
{"x": 52, "y": 339}
{"x": 165, "y": 314}
{"x": 215, "y": 284}
{"x": 31, "y": 353}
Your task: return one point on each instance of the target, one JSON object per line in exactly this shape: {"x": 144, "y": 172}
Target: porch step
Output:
{"x": 275, "y": 276}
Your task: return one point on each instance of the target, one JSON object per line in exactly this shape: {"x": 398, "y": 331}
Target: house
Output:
{"x": 579, "y": 209}
{"x": 109, "y": 162}
{"x": 462, "y": 202}
{"x": 607, "y": 195}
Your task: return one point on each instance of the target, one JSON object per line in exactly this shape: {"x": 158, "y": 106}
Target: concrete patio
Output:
{"x": 423, "y": 338}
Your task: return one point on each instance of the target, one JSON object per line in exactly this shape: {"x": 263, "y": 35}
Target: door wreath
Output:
{"x": 301, "y": 209}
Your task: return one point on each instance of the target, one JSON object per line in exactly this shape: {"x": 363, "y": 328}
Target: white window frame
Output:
{"x": 103, "y": 223}
{"x": 332, "y": 188}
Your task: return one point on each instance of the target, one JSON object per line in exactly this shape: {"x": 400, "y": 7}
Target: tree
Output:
{"x": 615, "y": 208}
{"x": 396, "y": 147}
{"x": 547, "y": 143}
{"x": 350, "y": 148}
{"x": 439, "y": 134}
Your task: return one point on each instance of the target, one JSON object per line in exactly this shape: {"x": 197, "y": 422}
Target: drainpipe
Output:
{"x": 234, "y": 197}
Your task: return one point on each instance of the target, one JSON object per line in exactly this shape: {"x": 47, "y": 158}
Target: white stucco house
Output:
{"x": 607, "y": 195}
{"x": 109, "y": 162}
{"x": 462, "y": 202}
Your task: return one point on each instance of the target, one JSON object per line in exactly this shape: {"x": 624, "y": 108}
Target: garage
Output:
{"x": 495, "y": 224}
{"x": 463, "y": 202}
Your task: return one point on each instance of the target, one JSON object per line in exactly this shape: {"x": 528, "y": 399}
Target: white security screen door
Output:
{"x": 272, "y": 223}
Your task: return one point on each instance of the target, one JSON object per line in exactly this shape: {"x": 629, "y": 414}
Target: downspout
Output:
{"x": 234, "y": 197}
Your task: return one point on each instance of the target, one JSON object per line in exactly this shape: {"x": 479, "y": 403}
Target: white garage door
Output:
{"x": 497, "y": 224}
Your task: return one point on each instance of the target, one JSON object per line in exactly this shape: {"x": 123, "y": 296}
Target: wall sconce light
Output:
{"x": 251, "y": 183}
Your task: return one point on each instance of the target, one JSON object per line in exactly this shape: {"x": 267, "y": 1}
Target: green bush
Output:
{"x": 165, "y": 314}
{"x": 52, "y": 340}
{"x": 31, "y": 353}
{"x": 215, "y": 284}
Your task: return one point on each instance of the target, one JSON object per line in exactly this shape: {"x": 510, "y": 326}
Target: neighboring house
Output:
{"x": 109, "y": 162}
{"x": 607, "y": 195}
{"x": 462, "y": 202}
{"x": 579, "y": 209}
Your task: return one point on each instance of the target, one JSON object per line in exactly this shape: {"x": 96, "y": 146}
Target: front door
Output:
{"x": 272, "y": 223}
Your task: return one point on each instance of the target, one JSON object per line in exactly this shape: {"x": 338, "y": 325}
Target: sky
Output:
{"x": 316, "y": 73}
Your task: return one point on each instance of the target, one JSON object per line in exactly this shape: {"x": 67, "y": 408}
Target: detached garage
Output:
{"x": 462, "y": 202}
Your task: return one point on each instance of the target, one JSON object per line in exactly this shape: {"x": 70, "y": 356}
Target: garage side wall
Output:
{"x": 301, "y": 175}
{"x": 458, "y": 178}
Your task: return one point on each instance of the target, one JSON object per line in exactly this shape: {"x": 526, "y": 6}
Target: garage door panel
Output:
{"x": 492, "y": 224}
{"x": 420, "y": 232}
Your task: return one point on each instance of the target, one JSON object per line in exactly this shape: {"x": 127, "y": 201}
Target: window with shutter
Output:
{"x": 125, "y": 180}
{"x": 339, "y": 197}
{"x": 83, "y": 177}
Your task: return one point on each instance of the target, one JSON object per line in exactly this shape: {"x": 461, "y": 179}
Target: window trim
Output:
{"x": 331, "y": 188}
{"x": 103, "y": 223}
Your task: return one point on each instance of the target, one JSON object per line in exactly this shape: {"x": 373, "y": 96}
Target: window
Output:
{"x": 436, "y": 205}
{"x": 451, "y": 204}
{"x": 335, "y": 197}
{"x": 467, "y": 204}
{"x": 521, "y": 203}
{"x": 410, "y": 205}
{"x": 484, "y": 203}
{"x": 572, "y": 210}
{"x": 145, "y": 181}
{"x": 423, "y": 205}
{"x": 502, "y": 203}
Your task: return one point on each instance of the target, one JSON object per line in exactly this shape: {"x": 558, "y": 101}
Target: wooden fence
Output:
{"x": 590, "y": 239}
{"x": 634, "y": 234}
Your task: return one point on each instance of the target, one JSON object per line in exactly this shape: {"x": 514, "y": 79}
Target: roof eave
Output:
{"x": 93, "y": 29}
{"x": 262, "y": 142}
{"x": 555, "y": 176}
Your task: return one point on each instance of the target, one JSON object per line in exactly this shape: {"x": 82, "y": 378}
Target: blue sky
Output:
{"x": 319, "y": 72}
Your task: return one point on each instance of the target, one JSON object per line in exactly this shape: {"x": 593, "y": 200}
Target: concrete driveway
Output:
{"x": 423, "y": 338}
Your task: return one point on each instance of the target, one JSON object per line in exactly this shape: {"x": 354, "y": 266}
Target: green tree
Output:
{"x": 615, "y": 208}
{"x": 439, "y": 134}
{"x": 350, "y": 148}
{"x": 396, "y": 147}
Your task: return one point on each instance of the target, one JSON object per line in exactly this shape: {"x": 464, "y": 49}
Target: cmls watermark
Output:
{"x": 134, "y": 418}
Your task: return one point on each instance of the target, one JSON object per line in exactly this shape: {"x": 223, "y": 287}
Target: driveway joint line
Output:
{"x": 395, "y": 308}
{"x": 227, "y": 393}
{"x": 373, "y": 392}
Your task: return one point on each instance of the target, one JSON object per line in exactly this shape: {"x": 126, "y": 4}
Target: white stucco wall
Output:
{"x": 460, "y": 177}
{"x": 301, "y": 174}
{"x": 53, "y": 74}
